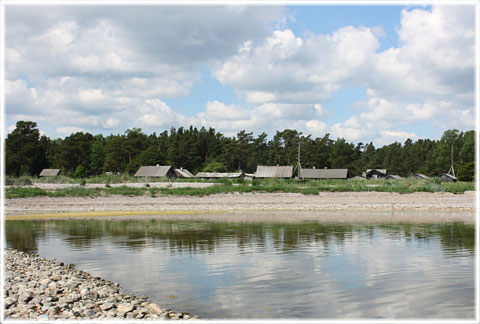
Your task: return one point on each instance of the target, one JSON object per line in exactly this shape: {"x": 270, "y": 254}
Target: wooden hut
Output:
{"x": 446, "y": 177}
{"x": 49, "y": 173}
{"x": 183, "y": 173}
{"x": 375, "y": 173}
{"x": 157, "y": 171}
{"x": 323, "y": 174}
{"x": 420, "y": 176}
{"x": 264, "y": 171}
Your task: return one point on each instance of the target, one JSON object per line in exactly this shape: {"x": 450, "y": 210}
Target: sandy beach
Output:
{"x": 444, "y": 206}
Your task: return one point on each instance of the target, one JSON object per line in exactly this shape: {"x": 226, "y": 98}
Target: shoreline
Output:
{"x": 385, "y": 206}
{"x": 42, "y": 289}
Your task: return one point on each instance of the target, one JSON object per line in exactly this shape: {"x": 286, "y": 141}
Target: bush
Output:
{"x": 79, "y": 172}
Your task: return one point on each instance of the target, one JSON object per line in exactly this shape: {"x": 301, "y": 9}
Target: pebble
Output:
{"x": 41, "y": 289}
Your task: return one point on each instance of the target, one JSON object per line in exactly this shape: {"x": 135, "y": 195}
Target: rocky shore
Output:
{"x": 41, "y": 289}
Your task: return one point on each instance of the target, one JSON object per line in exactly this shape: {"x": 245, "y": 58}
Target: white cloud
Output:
{"x": 142, "y": 57}
{"x": 67, "y": 131}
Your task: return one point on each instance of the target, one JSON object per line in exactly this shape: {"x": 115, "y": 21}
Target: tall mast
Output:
{"x": 452, "y": 170}
{"x": 299, "y": 165}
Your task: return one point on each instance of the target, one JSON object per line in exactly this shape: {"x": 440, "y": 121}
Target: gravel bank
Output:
{"x": 36, "y": 288}
{"x": 247, "y": 202}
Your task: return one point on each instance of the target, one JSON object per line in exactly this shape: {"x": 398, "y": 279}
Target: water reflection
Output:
{"x": 199, "y": 236}
{"x": 273, "y": 270}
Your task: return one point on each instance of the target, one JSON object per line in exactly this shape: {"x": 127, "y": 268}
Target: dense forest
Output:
{"x": 83, "y": 154}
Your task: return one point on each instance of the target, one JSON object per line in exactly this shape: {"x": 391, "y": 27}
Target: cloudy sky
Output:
{"x": 365, "y": 73}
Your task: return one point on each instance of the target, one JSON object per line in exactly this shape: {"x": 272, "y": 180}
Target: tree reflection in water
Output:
{"x": 205, "y": 237}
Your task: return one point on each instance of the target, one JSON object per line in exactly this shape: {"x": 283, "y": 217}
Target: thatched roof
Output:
{"x": 323, "y": 173}
{"x": 154, "y": 171}
{"x": 49, "y": 173}
{"x": 183, "y": 173}
{"x": 264, "y": 171}
{"x": 218, "y": 175}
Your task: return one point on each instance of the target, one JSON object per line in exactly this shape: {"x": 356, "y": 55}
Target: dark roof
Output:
{"x": 264, "y": 171}
{"x": 153, "y": 171}
{"x": 218, "y": 175}
{"x": 384, "y": 171}
{"x": 323, "y": 173}
{"x": 183, "y": 173}
{"x": 49, "y": 173}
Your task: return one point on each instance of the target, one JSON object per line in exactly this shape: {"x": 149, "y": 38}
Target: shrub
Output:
{"x": 79, "y": 172}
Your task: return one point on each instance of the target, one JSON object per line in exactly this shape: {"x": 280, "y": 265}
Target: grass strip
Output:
{"x": 307, "y": 187}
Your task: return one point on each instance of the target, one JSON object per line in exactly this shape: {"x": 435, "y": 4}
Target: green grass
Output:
{"x": 307, "y": 187}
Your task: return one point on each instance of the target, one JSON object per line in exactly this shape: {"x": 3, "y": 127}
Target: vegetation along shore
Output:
{"x": 86, "y": 155}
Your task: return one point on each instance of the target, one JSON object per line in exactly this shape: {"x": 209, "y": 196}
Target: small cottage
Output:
{"x": 323, "y": 174}
{"x": 446, "y": 177}
{"x": 158, "y": 171}
{"x": 420, "y": 176}
{"x": 375, "y": 174}
{"x": 264, "y": 171}
{"x": 183, "y": 173}
{"x": 49, "y": 173}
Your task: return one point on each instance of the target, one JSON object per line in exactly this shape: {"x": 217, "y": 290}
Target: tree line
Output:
{"x": 83, "y": 154}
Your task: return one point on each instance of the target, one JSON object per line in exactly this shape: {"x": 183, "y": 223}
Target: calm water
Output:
{"x": 282, "y": 270}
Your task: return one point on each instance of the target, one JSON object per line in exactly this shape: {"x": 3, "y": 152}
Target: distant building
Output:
{"x": 183, "y": 173}
{"x": 323, "y": 173}
{"x": 375, "y": 174}
{"x": 49, "y": 173}
{"x": 157, "y": 171}
{"x": 393, "y": 177}
{"x": 446, "y": 177}
{"x": 218, "y": 175}
{"x": 420, "y": 176}
{"x": 264, "y": 171}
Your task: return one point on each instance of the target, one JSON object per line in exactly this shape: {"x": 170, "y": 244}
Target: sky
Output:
{"x": 366, "y": 73}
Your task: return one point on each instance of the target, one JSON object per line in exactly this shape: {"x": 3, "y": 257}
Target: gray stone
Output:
{"x": 24, "y": 297}
{"x": 71, "y": 284}
{"x": 106, "y": 306}
{"x": 125, "y": 307}
{"x": 154, "y": 308}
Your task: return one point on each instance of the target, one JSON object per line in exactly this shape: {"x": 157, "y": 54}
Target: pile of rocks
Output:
{"x": 37, "y": 288}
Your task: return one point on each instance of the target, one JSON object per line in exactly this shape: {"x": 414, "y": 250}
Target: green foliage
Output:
{"x": 215, "y": 166}
{"x": 79, "y": 172}
{"x": 20, "y": 192}
{"x": 23, "y": 151}
{"x": 466, "y": 172}
{"x": 125, "y": 191}
{"x": 205, "y": 149}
